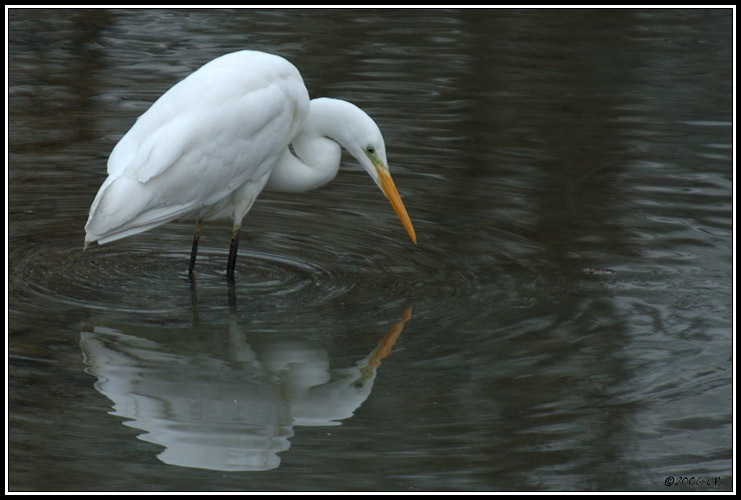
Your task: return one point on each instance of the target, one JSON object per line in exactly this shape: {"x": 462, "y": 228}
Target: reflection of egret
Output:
{"x": 211, "y": 143}
{"x": 233, "y": 406}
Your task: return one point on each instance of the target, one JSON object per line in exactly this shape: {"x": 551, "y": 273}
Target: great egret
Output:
{"x": 210, "y": 144}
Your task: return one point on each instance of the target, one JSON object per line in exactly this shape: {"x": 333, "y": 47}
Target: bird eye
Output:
{"x": 370, "y": 150}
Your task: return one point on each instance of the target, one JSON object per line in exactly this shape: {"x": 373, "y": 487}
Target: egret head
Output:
{"x": 358, "y": 133}
{"x": 380, "y": 173}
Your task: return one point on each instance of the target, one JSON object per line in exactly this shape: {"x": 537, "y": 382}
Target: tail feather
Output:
{"x": 122, "y": 208}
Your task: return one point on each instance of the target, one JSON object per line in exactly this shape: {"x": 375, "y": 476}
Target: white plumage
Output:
{"x": 208, "y": 146}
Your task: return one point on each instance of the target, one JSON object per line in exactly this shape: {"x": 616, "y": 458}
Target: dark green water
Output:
{"x": 565, "y": 322}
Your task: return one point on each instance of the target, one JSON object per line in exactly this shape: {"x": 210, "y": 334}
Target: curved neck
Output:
{"x": 295, "y": 175}
{"x": 317, "y": 146}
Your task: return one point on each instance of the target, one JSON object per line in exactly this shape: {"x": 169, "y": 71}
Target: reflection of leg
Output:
{"x": 232, "y": 262}
{"x": 194, "y": 300}
{"x": 232, "y": 296}
{"x": 194, "y": 250}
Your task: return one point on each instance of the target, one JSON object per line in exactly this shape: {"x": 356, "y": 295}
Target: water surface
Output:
{"x": 565, "y": 322}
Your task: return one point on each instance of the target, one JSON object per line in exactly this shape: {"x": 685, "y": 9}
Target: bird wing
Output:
{"x": 223, "y": 126}
{"x": 233, "y": 97}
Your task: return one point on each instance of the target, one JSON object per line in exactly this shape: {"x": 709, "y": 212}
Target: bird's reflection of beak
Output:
{"x": 388, "y": 341}
{"x": 389, "y": 189}
{"x": 384, "y": 348}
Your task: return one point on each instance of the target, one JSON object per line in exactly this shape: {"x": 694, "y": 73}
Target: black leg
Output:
{"x": 232, "y": 262}
{"x": 194, "y": 250}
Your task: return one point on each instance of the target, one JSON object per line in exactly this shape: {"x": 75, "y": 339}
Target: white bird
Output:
{"x": 209, "y": 145}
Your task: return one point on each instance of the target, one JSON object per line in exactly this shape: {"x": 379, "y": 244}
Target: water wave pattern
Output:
{"x": 290, "y": 255}
{"x": 570, "y": 179}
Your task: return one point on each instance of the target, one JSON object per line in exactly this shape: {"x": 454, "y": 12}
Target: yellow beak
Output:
{"x": 389, "y": 189}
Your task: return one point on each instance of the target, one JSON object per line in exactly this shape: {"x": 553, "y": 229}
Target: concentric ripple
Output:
{"x": 150, "y": 275}
{"x": 147, "y": 273}
{"x": 341, "y": 249}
